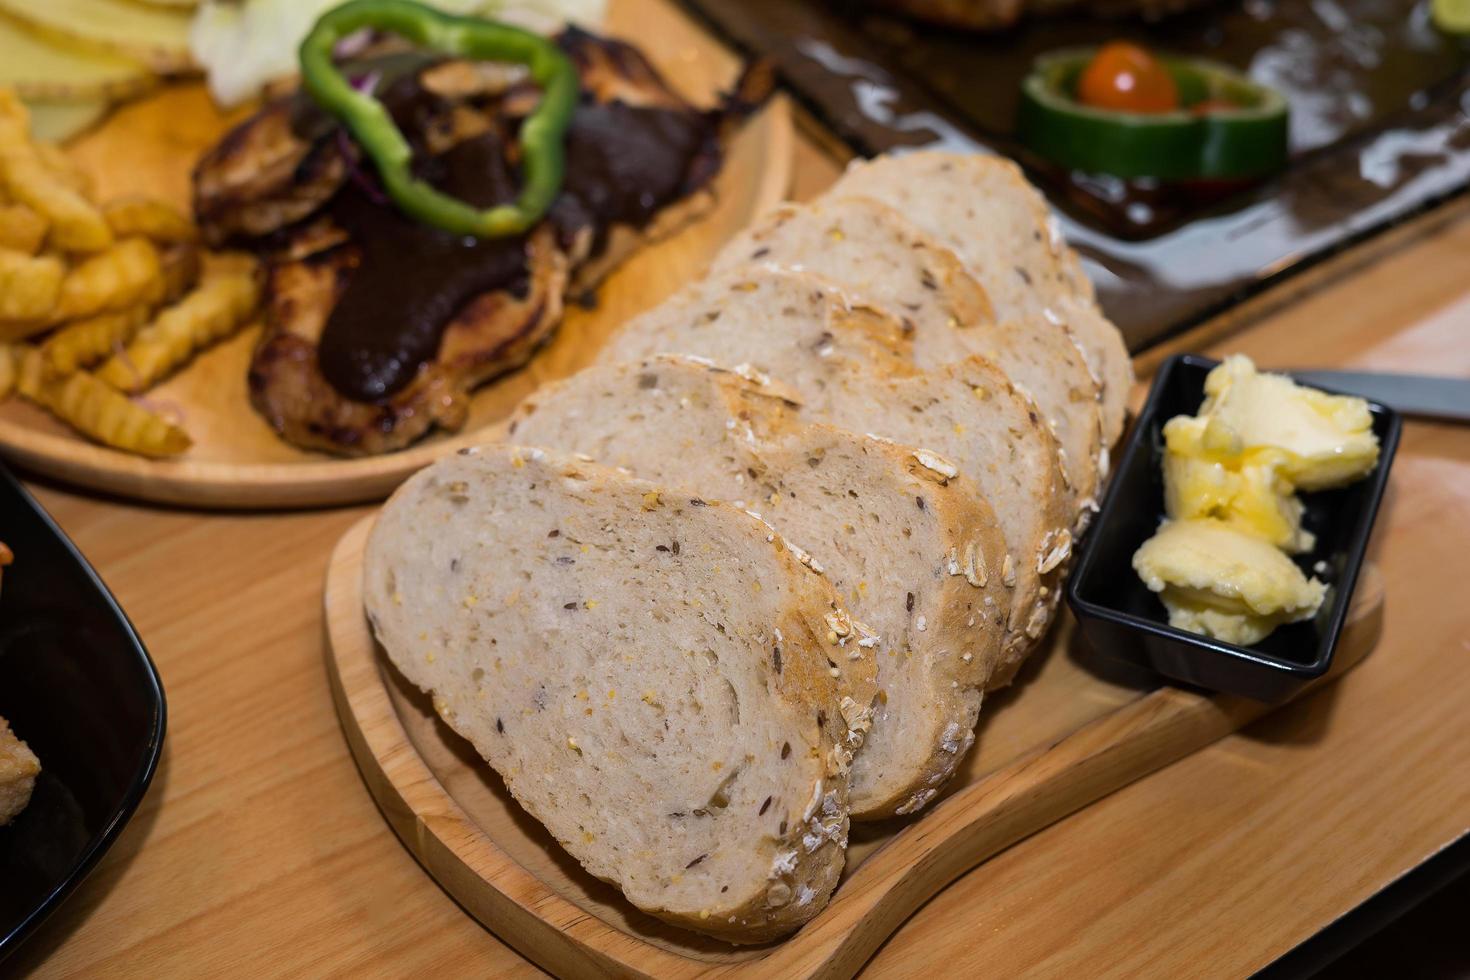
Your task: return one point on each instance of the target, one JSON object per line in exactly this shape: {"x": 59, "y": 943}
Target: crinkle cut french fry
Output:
{"x": 83, "y": 343}
{"x": 103, "y": 413}
{"x": 30, "y": 288}
{"x": 22, "y": 229}
{"x": 30, "y": 371}
{"x": 76, "y": 224}
{"x": 180, "y": 270}
{"x": 64, "y": 168}
{"x": 152, "y": 219}
{"x": 219, "y": 306}
{"x": 125, "y": 275}
{"x": 9, "y": 364}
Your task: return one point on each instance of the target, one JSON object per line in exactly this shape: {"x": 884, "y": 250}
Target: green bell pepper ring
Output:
{"x": 1244, "y": 140}
{"x": 542, "y": 133}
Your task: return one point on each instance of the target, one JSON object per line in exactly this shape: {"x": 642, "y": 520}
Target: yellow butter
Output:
{"x": 1230, "y": 479}
{"x": 1325, "y": 440}
{"x": 1222, "y": 582}
{"x": 1205, "y": 476}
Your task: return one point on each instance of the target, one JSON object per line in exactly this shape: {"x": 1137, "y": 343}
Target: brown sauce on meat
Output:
{"x": 411, "y": 279}
{"x": 624, "y": 164}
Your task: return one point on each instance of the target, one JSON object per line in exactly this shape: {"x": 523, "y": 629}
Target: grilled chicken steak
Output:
{"x": 377, "y": 326}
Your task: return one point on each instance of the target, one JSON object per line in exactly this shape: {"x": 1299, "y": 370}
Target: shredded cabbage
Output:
{"x": 244, "y": 44}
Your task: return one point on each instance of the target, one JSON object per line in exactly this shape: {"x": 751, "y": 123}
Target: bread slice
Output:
{"x": 1045, "y": 364}
{"x": 881, "y": 260}
{"x": 915, "y": 556}
{"x": 985, "y": 211}
{"x": 669, "y": 419}
{"x": 973, "y": 422}
{"x": 877, "y": 257}
{"x": 651, "y": 674}
{"x": 1102, "y": 346}
{"x": 767, "y": 322}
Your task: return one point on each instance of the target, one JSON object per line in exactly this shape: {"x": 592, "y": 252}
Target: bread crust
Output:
{"x": 1106, "y": 355}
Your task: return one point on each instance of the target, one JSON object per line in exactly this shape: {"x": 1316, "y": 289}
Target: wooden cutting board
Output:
{"x": 1069, "y": 731}
{"x": 150, "y": 147}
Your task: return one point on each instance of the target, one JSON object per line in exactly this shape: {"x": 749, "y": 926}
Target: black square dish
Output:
{"x": 1122, "y": 619}
{"x": 78, "y": 687}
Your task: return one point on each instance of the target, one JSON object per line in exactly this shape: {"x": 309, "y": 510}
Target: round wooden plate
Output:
{"x": 236, "y": 460}
{"x": 1069, "y": 731}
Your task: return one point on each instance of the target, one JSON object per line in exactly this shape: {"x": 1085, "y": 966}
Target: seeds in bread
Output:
{"x": 880, "y": 260}
{"x": 600, "y": 641}
{"x": 916, "y": 557}
{"x": 766, "y": 323}
{"x": 877, "y": 257}
{"x": 1046, "y": 365}
{"x": 977, "y": 424}
{"x": 984, "y": 210}
{"x": 670, "y": 419}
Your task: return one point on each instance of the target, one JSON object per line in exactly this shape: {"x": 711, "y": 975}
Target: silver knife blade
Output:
{"x": 1430, "y": 396}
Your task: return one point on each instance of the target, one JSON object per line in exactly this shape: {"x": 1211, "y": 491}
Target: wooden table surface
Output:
{"x": 258, "y": 850}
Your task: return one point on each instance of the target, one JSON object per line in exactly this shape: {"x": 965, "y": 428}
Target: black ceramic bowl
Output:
{"x": 79, "y": 688}
{"x": 1122, "y": 619}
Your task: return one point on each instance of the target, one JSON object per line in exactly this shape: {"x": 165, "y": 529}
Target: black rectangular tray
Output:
{"x": 1380, "y": 129}
{"x": 1122, "y": 619}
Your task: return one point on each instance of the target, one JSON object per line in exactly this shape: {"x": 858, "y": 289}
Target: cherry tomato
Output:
{"x": 1127, "y": 78}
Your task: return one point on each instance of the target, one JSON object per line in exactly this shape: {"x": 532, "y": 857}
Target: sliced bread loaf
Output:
{"x": 984, "y": 210}
{"x": 881, "y": 260}
{"x": 794, "y": 326}
{"x": 650, "y": 672}
{"x": 854, "y": 373}
{"x": 914, "y": 554}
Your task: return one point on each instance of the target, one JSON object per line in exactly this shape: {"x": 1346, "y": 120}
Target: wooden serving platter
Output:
{"x": 149, "y": 147}
{"x": 1070, "y": 730}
